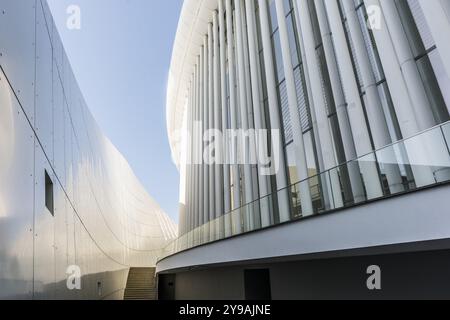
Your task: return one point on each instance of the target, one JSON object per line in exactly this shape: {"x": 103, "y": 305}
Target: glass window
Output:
{"x": 292, "y": 167}
{"x": 432, "y": 88}
{"x": 284, "y": 106}
{"x": 278, "y": 56}
{"x": 310, "y": 153}
{"x": 292, "y": 40}
{"x": 442, "y": 77}
{"x": 273, "y": 15}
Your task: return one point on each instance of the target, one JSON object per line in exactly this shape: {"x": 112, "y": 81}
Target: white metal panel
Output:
{"x": 59, "y": 123}
{"x": 44, "y": 96}
{"x": 17, "y": 38}
{"x": 43, "y": 5}
{"x": 58, "y": 50}
{"x": 16, "y": 184}
{"x": 104, "y": 220}
{"x": 44, "y": 253}
{"x": 61, "y": 236}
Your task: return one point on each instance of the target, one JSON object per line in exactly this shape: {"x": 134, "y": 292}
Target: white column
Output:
{"x": 437, "y": 15}
{"x": 197, "y": 180}
{"x": 233, "y": 112}
{"x": 199, "y": 159}
{"x": 356, "y": 115}
{"x": 190, "y": 186}
{"x": 248, "y": 87}
{"x": 195, "y": 168}
{"x": 341, "y": 105}
{"x": 333, "y": 187}
{"x": 392, "y": 69}
{"x": 403, "y": 101}
{"x": 374, "y": 107}
{"x": 210, "y": 106}
{"x": 224, "y": 106}
{"x": 188, "y": 226}
{"x": 248, "y": 183}
{"x": 198, "y": 147}
{"x": 258, "y": 106}
{"x": 299, "y": 145}
{"x": 219, "y": 190}
{"x": 200, "y": 107}
{"x": 326, "y": 195}
{"x": 194, "y": 179}
{"x": 420, "y": 102}
{"x": 205, "y": 119}
{"x": 399, "y": 92}
{"x": 274, "y": 112}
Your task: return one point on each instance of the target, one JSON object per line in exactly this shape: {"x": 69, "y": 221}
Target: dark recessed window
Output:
{"x": 257, "y": 285}
{"x": 49, "y": 194}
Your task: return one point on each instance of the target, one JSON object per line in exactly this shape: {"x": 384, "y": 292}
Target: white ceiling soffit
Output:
{"x": 192, "y": 26}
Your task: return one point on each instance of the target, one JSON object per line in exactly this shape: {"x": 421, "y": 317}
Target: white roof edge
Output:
{"x": 192, "y": 26}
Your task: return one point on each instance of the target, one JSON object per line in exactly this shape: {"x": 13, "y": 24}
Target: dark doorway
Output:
{"x": 257, "y": 284}
{"x": 166, "y": 287}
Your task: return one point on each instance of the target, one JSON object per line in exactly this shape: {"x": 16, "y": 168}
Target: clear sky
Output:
{"x": 121, "y": 58}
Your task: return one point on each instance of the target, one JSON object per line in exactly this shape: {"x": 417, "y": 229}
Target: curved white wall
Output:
{"x": 104, "y": 221}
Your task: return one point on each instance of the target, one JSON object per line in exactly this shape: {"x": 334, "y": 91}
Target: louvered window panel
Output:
{"x": 284, "y": 105}
{"x": 301, "y": 100}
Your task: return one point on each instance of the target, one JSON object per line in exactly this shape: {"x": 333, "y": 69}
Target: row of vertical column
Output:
{"x": 229, "y": 85}
{"x": 226, "y": 92}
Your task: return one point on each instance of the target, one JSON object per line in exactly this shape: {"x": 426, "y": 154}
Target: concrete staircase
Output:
{"x": 141, "y": 284}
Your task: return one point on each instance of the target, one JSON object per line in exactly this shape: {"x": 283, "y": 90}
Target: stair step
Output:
{"x": 141, "y": 284}
{"x": 141, "y": 280}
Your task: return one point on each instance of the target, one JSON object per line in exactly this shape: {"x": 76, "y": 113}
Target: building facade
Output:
{"x": 353, "y": 97}
{"x": 71, "y": 208}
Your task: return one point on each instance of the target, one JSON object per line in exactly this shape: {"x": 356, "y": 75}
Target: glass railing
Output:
{"x": 409, "y": 165}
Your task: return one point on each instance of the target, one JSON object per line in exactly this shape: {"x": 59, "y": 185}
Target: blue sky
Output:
{"x": 121, "y": 58}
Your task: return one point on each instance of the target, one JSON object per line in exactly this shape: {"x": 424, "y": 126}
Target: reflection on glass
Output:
{"x": 411, "y": 164}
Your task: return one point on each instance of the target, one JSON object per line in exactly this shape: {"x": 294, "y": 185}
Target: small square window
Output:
{"x": 49, "y": 194}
